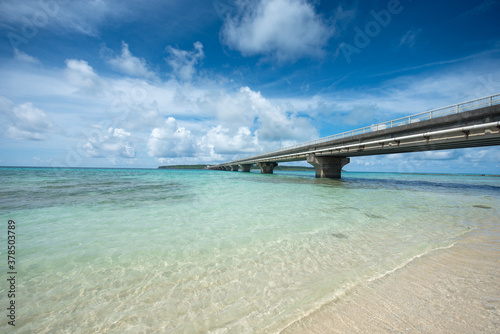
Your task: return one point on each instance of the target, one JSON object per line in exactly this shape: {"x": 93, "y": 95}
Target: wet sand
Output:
{"x": 452, "y": 290}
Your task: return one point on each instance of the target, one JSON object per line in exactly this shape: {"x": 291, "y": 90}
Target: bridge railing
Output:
{"x": 431, "y": 114}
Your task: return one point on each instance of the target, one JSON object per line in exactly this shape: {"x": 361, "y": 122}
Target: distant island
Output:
{"x": 287, "y": 168}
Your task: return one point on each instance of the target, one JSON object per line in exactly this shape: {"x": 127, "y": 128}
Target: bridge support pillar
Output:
{"x": 245, "y": 168}
{"x": 327, "y": 167}
{"x": 235, "y": 168}
{"x": 228, "y": 168}
{"x": 266, "y": 167}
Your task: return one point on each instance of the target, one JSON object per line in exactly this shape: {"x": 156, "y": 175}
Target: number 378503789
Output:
{"x": 11, "y": 244}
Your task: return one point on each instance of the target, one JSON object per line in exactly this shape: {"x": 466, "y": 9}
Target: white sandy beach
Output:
{"x": 453, "y": 290}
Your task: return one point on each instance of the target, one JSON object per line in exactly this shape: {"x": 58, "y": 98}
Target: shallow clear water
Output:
{"x": 179, "y": 251}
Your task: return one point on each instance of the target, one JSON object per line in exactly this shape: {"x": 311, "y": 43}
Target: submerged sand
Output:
{"x": 452, "y": 290}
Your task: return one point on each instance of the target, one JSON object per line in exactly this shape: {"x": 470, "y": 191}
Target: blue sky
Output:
{"x": 145, "y": 83}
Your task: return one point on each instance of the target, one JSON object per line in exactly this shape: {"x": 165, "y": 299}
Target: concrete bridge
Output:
{"x": 469, "y": 124}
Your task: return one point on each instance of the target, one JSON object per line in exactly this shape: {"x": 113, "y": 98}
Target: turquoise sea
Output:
{"x": 196, "y": 251}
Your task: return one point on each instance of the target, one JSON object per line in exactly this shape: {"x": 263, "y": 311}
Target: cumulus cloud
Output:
{"x": 270, "y": 121}
{"x": 128, "y": 64}
{"x": 274, "y": 123}
{"x": 170, "y": 141}
{"x": 184, "y": 62}
{"x": 220, "y": 140}
{"x": 285, "y": 30}
{"x": 81, "y": 75}
{"x": 240, "y": 122}
{"x": 24, "y": 121}
{"x": 114, "y": 142}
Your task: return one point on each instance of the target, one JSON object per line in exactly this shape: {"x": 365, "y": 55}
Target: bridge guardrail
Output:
{"x": 431, "y": 114}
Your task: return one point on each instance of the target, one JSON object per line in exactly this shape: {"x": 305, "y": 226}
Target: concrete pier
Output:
{"x": 245, "y": 168}
{"x": 228, "y": 168}
{"x": 327, "y": 167}
{"x": 267, "y": 167}
{"x": 235, "y": 168}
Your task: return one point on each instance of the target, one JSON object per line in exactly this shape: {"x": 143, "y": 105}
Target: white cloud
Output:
{"x": 21, "y": 83}
{"x": 81, "y": 75}
{"x": 24, "y": 121}
{"x": 248, "y": 123}
{"x": 283, "y": 29}
{"x": 23, "y": 57}
{"x": 486, "y": 154}
{"x": 170, "y": 140}
{"x": 184, "y": 62}
{"x": 269, "y": 120}
{"x": 274, "y": 123}
{"x": 128, "y": 64}
{"x": 114, "y": 142}
{"x": 219, "y": 141}
{"x": 242, "y": 122}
